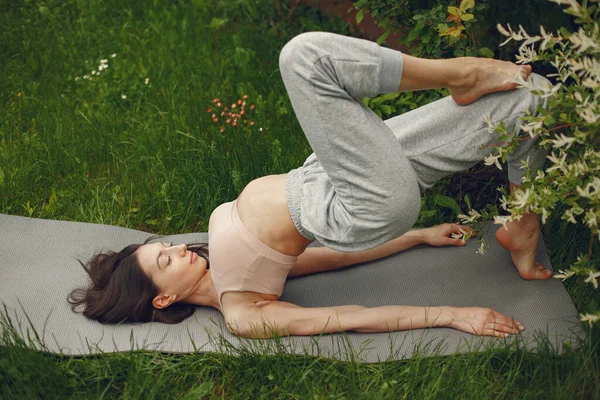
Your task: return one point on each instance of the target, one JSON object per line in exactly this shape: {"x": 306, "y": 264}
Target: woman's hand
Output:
{"x": 440, "y": 235}
{"x": 484, "y": 321}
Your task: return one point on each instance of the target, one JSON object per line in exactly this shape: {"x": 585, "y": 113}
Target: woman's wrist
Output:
{"x": 418, "y": 236}
{"x": 446, "y": 317}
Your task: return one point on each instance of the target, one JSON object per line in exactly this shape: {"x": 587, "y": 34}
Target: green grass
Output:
{"x": 154, "y": 160}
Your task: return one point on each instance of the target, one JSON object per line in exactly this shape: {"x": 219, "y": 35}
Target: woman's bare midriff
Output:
{"x": 262, "y": 207}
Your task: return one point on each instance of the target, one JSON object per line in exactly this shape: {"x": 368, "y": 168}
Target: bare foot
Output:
{"x": 483, "y": 76}
{"x": 521, "y": 239}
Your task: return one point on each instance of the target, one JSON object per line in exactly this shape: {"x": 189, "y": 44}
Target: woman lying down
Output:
{"x": 358, "y": 194}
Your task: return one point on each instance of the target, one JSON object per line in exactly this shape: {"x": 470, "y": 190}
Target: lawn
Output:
{"x": 136, "y": 145}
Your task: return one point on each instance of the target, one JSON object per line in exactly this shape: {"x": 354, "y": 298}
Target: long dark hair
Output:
{"x": 120, "y": 291}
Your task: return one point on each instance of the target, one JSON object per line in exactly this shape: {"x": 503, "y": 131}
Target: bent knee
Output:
{"x": 299, "y": 48}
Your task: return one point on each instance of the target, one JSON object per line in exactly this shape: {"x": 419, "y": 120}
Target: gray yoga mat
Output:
{"x": 38, "y": 269}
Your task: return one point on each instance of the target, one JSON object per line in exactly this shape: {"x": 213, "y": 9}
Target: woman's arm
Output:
{"x": 269, "y": 318}
{"x": 438, "y": 235}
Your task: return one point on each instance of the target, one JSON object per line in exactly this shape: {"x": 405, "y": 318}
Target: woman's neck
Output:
{"x": 204, "y": 293}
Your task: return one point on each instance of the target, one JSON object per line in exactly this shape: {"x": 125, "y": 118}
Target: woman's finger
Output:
{"x": 503, "y": 328}
{"x": 492, "y": 332}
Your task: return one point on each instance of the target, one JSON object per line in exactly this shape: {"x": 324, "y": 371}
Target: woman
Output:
{"x": 358, "y": 194}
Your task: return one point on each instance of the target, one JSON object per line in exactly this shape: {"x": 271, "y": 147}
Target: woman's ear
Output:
{"x": 164, "y": 300}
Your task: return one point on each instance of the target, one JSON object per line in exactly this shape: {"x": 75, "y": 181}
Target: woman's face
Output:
{"x": 173, "y": 269}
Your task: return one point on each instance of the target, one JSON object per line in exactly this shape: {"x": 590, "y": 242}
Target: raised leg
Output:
{"x": 521, "y": 239}
{"x": 442, "y": 138}
{"x": 371, "y": 194}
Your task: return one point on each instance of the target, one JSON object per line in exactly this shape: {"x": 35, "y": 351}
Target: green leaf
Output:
{"x": 429, "y": 213}
{"x": 386, "y": 109}
{"x": 417, "y": 17}
{"x": 468, "y": 201}
{"x": 1, "y": 177}
{"x": 486, "y": 52}
{"x": 467, "y": 17}
{"x": 466, "y": 4}
{"x": 453, "y": 10}
{"x": 448, "y": 202}
{"x": 459, "y": 53}
{"x": 442, "y": 28}
{"x": 471, "y": 52}
{"x": 549, "y": 120}
{"x": 412, "y": 35}
{"x": 216, "y": 23}
{"x": 389, "y": 96}
{"x": 359, "y": 16}
{"x": 377, "y": 100}
{"x": 385, "y": 35}
{"x": 384, "y": 23}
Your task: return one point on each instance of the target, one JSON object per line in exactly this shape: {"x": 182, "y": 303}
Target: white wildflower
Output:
{"x": 531, "y": 127}
{"x": 504, "y": 202}
{"x": 260, "y": 129}
{"x": 568, "y": 215}
{"x": 564, "y": 274}
{"x": 544, "y": 215}
{"x": 558, "y": 163}
{"x": 502, "y": 220}
{"x": 104, "y": 61}
{"x": 518, "y": 79}
{"x": 147, "y": 80}
{"x": 526, "y": 55}
{"x": 474, "y": 216}
{"x": 93, "y": 72}
{"x": 591, "y": 190}
{"x": 592, "y": 278}
{"x": 588, "y": 114}
{"x": 493, "y": 159}
{"x": 113, "y": 56}
{"x": 123, "y": 96}
{"x": 481, "y": 249}
{"x": 563, "y": 140}
{"x": 76, "y": 78}
{"x": 583, "y": 42}
{"x": 521, "y": 197}
{"x": 590, "y": 318}
{"x": 591, "y": 219}
{"x": 490, "y": 126}
{"x": 86, "y": 77}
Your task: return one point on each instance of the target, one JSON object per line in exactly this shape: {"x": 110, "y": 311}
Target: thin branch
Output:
{"x": 292, "y": 9}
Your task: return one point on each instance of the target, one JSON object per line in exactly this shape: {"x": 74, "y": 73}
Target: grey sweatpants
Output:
{"x": 361, "y": 187}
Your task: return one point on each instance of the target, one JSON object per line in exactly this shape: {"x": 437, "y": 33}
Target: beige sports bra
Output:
{"x": 239, "y": 261}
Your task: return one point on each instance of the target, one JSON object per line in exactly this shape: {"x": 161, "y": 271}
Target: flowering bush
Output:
{"x": 569, "y": 126}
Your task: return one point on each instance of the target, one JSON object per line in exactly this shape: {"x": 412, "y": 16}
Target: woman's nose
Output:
{"x": 182, "y": 248}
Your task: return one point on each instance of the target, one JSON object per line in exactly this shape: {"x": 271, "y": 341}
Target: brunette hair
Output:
{"x": 120, "y": 291}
